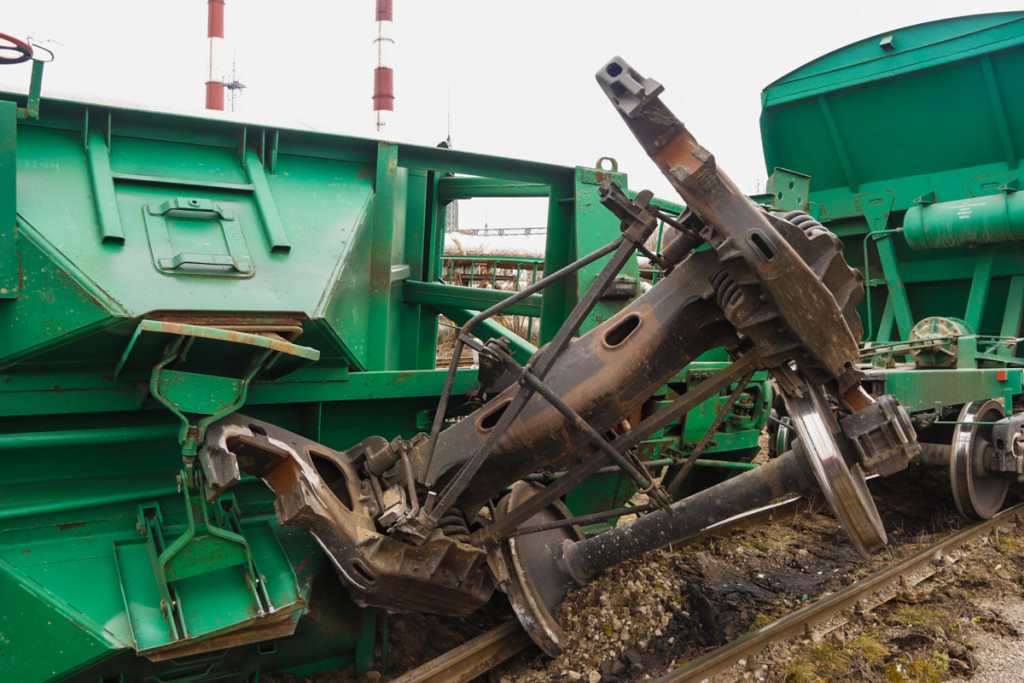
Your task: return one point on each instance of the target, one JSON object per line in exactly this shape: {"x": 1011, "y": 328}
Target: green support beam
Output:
{"x": 461, "y": 187}
{"x": 381, "y": 238}
{"x": 452, "y": 161}
{"x": 977, "y": 298}
{"x": 521, "y": 349}
{"x": 876, "y": 210}
{"x": 559, "y": 251}
{"x": 438, "y": 295}
{"x": 417, "y": 326}
{"x": 1012, "y": 315}
{"x": 107, "y": 214}
{"x": 10, "y": 277}
{"x": 999, "y": 113}
{"x": 838, "y": 146}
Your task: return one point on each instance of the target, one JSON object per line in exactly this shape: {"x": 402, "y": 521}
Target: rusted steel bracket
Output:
{"x": 635, "y": 215}
{"x": 772, "y": 285}
{"x": 604, "y": 376}
{"x": 330, "y": 494}
{"x": 632, "y": 467}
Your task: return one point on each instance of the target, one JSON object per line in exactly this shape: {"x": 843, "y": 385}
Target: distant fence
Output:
{"x": 542, "y": 230}
{"x": 505, "y": 273}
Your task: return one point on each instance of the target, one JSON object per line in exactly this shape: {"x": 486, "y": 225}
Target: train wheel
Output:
{"x": 782, "y": 440}
{"x": 978, "y": 494}
{"x": 537, "y": 582}
{"x": 844, "y": 486}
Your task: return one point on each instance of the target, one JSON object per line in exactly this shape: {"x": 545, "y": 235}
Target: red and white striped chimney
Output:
{"x": 215, "y": 35}
{"x": 384, "y": 75}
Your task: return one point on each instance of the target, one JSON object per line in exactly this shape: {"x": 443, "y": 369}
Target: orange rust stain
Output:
{"x": 678, "y": 152}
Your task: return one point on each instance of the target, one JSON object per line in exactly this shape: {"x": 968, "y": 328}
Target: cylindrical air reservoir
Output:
{"x": 994, "y": 218}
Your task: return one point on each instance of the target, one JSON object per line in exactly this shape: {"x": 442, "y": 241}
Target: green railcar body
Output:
{"x": 908, "y": 145}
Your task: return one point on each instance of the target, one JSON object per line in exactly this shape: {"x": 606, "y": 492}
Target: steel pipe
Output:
{"x": 84, "y": 437}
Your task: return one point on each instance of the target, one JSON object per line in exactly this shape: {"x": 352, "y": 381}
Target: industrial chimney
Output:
{"x": 383, "y": 75}
{"x": 215, "y": 35}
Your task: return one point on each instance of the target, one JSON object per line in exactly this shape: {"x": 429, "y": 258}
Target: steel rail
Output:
{"x": 472, "y": 658}
{"x": 798, "y": 622}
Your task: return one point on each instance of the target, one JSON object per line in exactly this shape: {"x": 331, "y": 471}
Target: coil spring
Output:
{"x": 805, "y": 222}
{"x": 454, "y": 525}
{"x": 727, "y": 292}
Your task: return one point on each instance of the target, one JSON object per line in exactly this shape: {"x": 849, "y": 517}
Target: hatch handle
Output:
{"x": 204, "y": 263}
{"x": 183, "y": 206}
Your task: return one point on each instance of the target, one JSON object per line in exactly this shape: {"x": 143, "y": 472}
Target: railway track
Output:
{"x": 913, "y": 568}
{"x": 487, "y": 651}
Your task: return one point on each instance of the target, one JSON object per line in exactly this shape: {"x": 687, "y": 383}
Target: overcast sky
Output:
{"x": 513, "y": 78}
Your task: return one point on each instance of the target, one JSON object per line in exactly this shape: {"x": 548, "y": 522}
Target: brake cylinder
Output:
{"x": 979, "y": 220}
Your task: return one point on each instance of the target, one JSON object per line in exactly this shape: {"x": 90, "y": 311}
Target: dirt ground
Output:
{"x": 670, "y": 606}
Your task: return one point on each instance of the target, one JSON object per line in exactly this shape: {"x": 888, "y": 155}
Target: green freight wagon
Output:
{"x": 909, "y": 146}
{"x": 160, "y": 272}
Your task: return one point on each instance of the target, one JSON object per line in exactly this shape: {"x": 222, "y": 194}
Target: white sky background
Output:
{"x": 515, "y": 78}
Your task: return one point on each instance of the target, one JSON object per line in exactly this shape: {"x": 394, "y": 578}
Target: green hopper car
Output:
{"x": 909, "y": 146}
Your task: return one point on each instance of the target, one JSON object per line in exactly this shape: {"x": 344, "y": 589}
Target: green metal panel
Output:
{"x": 43, "y": 635}
{"x": 837, "y": 117}
{"x": 901, "y": 153}
{"x": 918, "y": 190}
{"x": 931, "y": 389}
